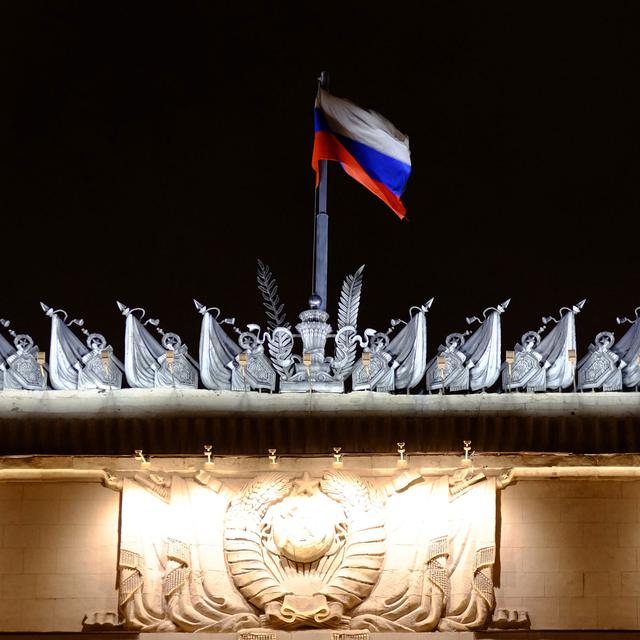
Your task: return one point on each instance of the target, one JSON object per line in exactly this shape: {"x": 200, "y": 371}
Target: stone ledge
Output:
{"x": 169, "y": 422}
{"x": 106, "y": 471}
{"x": 156, "y": 402}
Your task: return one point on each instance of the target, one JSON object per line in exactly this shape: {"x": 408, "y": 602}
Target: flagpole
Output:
{"x": 321, "y": 228}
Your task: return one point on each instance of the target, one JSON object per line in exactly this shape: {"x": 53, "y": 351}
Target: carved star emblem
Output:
{"x": 305, "y": 486}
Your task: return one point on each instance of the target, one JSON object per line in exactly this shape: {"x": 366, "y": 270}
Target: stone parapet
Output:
{"x": 172, "y": 421}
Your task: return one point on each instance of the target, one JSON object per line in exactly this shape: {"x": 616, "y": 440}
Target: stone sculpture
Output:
{"x": 527, "y": 371}
{"x": 375, "y": 369}
{"x": 217, "y": 349}
{"x": 628, "y": 350}
{"x": 383, "y": 361}
{"x": 74, "y": 365}
{"x": 548, "y": 363}
{"x": 251, "y": 369}
{"x": 399, "y": 363}
{"x": 290, "y": 552}
{"x": 21, "y": 366}
{"x": 315, "y": 371}
{"x": 149, "y": 363}
{"x": 469, "y": 361}
{"x": 601, "y": 368}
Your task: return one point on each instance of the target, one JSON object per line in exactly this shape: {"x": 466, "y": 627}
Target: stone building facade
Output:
{"x": 339, "y": 532}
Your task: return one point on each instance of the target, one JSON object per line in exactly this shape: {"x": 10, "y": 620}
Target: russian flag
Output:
{"x": 370, "y": 149}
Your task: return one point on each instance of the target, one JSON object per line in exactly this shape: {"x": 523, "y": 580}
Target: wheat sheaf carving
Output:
{"x": 243, "y": 543}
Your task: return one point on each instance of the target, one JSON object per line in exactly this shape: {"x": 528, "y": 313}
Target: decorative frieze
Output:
{"x": 292, "y": 551}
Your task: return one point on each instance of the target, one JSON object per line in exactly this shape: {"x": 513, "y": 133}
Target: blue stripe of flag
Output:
{"x": 393, "y": 173}
{"x": 319, "y": 121}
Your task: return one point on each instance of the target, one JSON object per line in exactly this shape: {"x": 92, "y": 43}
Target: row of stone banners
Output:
{"x": 270, "y": 360}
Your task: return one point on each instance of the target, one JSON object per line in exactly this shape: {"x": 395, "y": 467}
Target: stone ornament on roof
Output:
{"x": 149, "y": 363}
{"x": 313, "y": 356}
{"x": 469, "y": 361}
{"x": 22, "y": 365}
{"x": 77, "y": 365}
{"x": 601, "y": 368}
{"x": 628, "y": 350}
{"x": 542, "y": 364}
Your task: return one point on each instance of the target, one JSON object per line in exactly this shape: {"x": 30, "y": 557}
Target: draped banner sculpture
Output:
{"x": 286, "y": 359}
{"x": 544, "y": 363}
{"x": 74, "y": 365}
{"x": 149, "y": 363}
{"x": 628, "y": 350}
{"x": 287, "y": 552}
{"x": 469, "y": 363}
{"x": 601, "y": 368}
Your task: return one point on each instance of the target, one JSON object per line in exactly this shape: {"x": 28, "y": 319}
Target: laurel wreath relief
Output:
{"x": 347, "y": 573}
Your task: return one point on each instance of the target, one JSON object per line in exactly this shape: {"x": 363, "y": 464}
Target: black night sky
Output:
{"x": 152, "y": 152}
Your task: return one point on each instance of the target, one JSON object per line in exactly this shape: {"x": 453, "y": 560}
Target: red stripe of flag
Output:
{"x": 327, "y": 147}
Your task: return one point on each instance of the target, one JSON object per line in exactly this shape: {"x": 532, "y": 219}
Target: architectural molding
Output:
{"x": 112, "y": 478}
{"x": 158, "y": 402}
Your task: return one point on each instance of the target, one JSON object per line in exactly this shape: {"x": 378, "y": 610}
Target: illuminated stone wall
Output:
{"x": 569, "y": 553}
{"x": 59, "y": 554}
{"x": 567, "y": 549}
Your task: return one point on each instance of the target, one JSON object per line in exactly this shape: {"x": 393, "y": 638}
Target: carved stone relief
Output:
{"x": 290, "y": 552}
